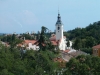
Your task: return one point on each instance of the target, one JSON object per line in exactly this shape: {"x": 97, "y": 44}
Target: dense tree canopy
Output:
{"x": 91, "y": 32}
{"x": 83, "y": 65}
{"x": 85, "y": 38}
{"x": 16, "y": 62}
{"x": 30, "y": 63}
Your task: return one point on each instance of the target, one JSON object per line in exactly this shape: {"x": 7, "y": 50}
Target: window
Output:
{"x": 58, "y": 28}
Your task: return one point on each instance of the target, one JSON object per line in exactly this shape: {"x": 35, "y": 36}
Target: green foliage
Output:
{"x": 44, "y": 42}
{"x": 85, "y": 38}
{"x": 89, "y": 36}
{"x": 68, "y": 44}
{"x": 42, "y": 38}
{"x": 28, "y": 36}
{"x": 32, "y": 62}
{"x": 83, "y": 65}
{"x": 77, "y": 44}
{"x": 11, "y": 39}
{"x": 87, "y": 50}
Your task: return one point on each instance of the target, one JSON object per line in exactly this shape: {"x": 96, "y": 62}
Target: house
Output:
{"x": 4, "y": 43}
{"x": 96, "y": 50}
{"x": 29, "y": 44}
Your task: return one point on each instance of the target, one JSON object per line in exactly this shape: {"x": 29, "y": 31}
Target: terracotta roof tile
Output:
{"x": 54, "y": 42}
{"x": 29, "y": 41}
{"x": 26, "y": 42}
{"x": 97, "y": 46}
{"x": 53, "y": 38}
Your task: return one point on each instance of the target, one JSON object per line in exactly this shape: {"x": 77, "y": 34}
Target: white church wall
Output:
{"x": 59, "y": 32}
{"x": 62, "y": 45}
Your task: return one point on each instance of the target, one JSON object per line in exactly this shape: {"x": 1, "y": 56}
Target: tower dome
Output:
{"x": 59, "y": 20}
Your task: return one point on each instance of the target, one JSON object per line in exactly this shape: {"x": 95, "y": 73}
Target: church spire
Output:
{"x": 59, "y": 18}
{"x": 58, "y": 9}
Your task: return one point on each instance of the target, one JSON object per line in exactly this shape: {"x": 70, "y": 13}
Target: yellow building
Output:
{"x": 96, "y": 50}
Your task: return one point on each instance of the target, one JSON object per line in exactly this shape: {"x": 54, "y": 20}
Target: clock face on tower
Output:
{"x": 58, "y": 28}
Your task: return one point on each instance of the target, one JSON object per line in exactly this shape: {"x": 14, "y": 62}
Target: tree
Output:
{"x": 42, "y": 39}
{"x": 77, "y": 44}
{"x": 83, "y": 65}
{"x": 44, "y": 42}
{"x": 90, "y": 42}
{"x": 68, "y": 43}
{"x": 32, "y": 63}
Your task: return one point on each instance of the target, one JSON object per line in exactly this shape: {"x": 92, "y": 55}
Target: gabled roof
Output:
{"x": 54, "y": 43}
{"x": 29, "y": 41}
{"x": 53, "y": 37}
{"x": 97, "y": 46}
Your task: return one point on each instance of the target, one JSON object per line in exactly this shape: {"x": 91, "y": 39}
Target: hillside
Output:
{"x": 92, "y": 30}
{"x": 85, "y": 37}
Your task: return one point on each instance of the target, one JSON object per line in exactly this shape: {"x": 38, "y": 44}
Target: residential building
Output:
{"x": 29, "y": 44}
{"x": 96, "y": 50}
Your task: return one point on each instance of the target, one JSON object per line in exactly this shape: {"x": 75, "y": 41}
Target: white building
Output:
{"x": 29, "y": 44}
{"x": 59, "y": 33}
{"x": 59, "y": 38}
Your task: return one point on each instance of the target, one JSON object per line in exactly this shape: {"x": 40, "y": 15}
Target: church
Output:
{"x": 58, "y": 38}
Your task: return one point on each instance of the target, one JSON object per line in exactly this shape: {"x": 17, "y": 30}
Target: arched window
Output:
{"x": 58, "y": 28}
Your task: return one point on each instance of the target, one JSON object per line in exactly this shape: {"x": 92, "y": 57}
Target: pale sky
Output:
{"x": 29, "y": 15}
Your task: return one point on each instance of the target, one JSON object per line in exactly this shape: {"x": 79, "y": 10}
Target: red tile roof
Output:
{"x": 97, "y": 46}
{"x": 53, "y": 38}
{"x": 26, "y": 42}
{"x": 54, "y": 43}
{"x": 29, "y": 41}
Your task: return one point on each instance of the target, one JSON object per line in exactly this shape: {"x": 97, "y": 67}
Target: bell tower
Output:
{"x": 59, "y": 28}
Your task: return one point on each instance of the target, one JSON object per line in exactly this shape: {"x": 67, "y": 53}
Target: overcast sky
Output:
{"x": 29, "y": 15}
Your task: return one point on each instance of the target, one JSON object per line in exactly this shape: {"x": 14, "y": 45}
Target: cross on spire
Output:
{"x": 58, "y": 9}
